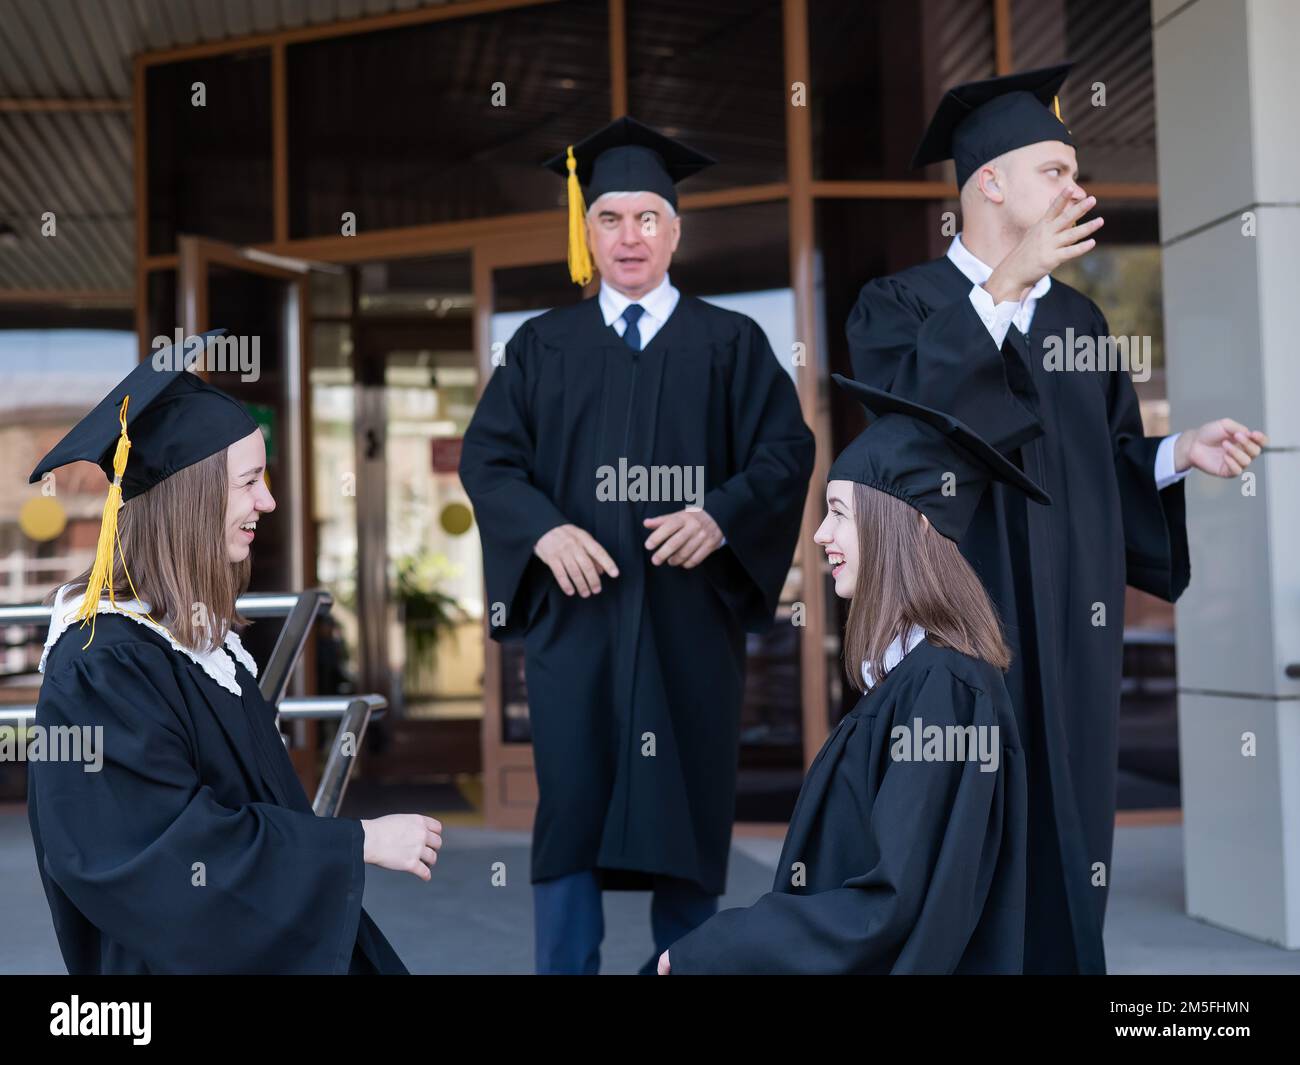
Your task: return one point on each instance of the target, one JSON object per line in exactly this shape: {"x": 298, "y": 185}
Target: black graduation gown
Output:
{"x": 661, "y": 650}
{"x": 191, "y": 773}
{"x": 907, "y": 866}
{"x": 1079, "y": 435}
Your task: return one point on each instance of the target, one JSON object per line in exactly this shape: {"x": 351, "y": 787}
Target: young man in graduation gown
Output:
{"x": 633, "y": 592}
{"x": 987, "y": 334}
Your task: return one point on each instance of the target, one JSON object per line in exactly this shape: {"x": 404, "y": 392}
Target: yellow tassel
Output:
{"x": 101, "y": 573}
{"x": 579, "y": 257}
{"x": 1056, "y": 109}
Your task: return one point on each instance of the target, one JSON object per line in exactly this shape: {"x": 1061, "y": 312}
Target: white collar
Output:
{"x": 977, "y": 271}
{"x": 658, "y": 303}
{"x": 216, "y": 663}
{"x": 894, "y": 654}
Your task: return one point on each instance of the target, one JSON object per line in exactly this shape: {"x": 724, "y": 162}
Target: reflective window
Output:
{"x": 209, "y": 147}
{"x": 712, "y": 75}
{"x": 878, "y": 70}
{"x": 442, "y": 121}
{"x": 1108, "y": 102}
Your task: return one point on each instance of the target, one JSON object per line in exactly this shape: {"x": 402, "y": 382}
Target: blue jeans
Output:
{"x": 569, "y": 922}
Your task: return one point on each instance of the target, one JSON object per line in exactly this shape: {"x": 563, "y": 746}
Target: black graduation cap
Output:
{"x": 159, "y": 419}
{"x": 625, "y": 156}
{"x": 907, "y": 450}
{"x": 172, "y": 419}
{"x": 980, "y": 120}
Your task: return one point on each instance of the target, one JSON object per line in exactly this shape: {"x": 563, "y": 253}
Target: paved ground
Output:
{"x": 460, "y": 923}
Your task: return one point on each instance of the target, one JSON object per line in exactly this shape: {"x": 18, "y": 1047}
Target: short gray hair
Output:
{"x": 672, "y": 211}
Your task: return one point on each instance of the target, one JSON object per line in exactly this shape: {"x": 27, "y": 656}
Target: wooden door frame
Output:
{"x": 534, "y": 247}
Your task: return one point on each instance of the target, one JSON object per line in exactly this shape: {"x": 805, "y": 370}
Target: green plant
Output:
{"x": 427, "y": 612}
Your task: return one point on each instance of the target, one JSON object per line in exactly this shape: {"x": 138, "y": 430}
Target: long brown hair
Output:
{"x": 909, "y": 574}
{"x": 174, "y": 539}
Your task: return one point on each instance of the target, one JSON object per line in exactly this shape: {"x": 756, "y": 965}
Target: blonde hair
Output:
{"x": 173, "y": 538}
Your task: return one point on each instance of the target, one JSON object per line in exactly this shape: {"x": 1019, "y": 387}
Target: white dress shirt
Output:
{"x": 894, "y": 654}
{"x": 657, "y": 304}
{"x": 998, "y": 319}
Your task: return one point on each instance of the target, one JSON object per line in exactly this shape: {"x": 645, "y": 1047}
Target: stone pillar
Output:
{"x": 1228, "y": 128}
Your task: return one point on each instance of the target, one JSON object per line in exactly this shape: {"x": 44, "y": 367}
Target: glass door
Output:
{"x": 419, "y": 559}
{"x": 394, "y": 380}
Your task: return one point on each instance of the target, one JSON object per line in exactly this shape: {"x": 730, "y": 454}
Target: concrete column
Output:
{"x": 1228, "y": 127}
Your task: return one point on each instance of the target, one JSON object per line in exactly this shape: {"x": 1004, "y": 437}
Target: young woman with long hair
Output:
{"x": 906, "y": 850}
{"x": 188, "y": 845}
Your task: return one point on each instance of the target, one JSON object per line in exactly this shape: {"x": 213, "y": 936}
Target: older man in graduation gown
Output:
{"x": 638, "y": 466}
{"x": 1021, "y": 341}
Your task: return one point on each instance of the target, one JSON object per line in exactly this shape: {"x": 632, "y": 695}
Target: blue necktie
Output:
{"x": 632, "y": 335}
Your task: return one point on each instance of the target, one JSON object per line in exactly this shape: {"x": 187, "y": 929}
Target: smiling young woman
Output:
{"x": 190, "y": 578}
{"x": 193, "y": 847}
{"x": 900, "y": 857}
